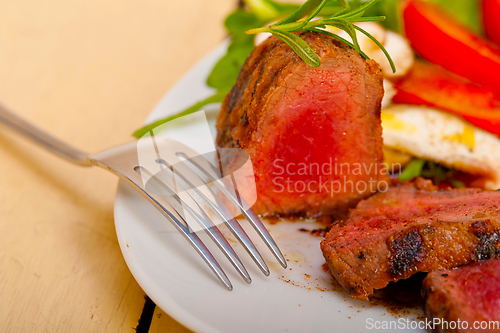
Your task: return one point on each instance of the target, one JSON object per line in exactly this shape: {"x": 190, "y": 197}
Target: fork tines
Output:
{"x": 195, "y": 188}
{"x": 181, "y": 183}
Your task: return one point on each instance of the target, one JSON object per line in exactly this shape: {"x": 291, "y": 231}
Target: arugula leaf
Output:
{"x": 225, "y": 71}
{"x": 430, "y": 170}
{"x": 241, "y": 20}
{"x": 264, "y": 9}
{"x": 216, "y": 98}
{"x": 281, "y": 8}
{"x": 412, "y": 170}
{"x": 436, "y": 172}
{"x": 456, "y": 183}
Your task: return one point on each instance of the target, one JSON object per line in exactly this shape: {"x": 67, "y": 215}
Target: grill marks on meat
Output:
{"x": 470, "y": 293}
{"x": 406, "y": 250}
{"x": 488, "y": 238}
{"x": 408, "y": 230}
{"x": 284, "y": 113}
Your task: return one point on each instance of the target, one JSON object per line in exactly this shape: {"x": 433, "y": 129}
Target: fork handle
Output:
{"x": 44, "y": 139}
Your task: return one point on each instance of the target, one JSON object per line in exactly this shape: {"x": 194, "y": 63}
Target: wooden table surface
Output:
{"x": 89, "y": 72}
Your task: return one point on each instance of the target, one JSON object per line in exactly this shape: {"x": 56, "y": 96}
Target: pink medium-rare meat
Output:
{"x": 313, "y": 134}
{"x": 469, "y": 293}
{"x": 406, "y": 230}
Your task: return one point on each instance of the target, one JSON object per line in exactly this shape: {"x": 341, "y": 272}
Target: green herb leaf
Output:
{"x": 260, "y": 12}
{"x": 347, "y": 27}
{"x": 392, "y": 10}
{"x": 346, "y": 7}
{"x": 436, "y": 172}
{"x": 393, "y": 67}
{"x": 281, "y": 8}
{"x": 264, "y": 9}
{"x": 344, "y": 3}
{"x": 292, "y": 26}
{"x": 365, "y": 19}
{"x": 331, "y": 8}
{"x": 430, "y": 170}
{"x": 216, "y": 98}
{"x": 360, "y": 10}
{"x": 412, "y": 170}
{"x": 300, "y": 47}
{"x": 226, "y": 70}
{"x": 456, "y": 183}
{"x": 241, "y": 20}
{"x": 310, "y": 7}
{"x": 340, "y": 39}
{"x": 342, "y": 19}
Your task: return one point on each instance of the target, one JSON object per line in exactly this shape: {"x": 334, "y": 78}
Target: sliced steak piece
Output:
{"x": 313, "y": 134}
{"x": 469, "y": 293}
{"x": 406, "y": 230}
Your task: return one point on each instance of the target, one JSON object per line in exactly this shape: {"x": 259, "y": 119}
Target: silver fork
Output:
{"x": 175, "y": 187}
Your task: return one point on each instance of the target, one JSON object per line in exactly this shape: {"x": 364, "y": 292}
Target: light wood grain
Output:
{"x": 162, "y": 322}
{"x": 89, "y": 72}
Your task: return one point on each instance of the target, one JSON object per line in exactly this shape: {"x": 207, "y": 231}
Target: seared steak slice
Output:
{"x": 313, "y": 134}
{"x": 406, "y": 230}
{"x": 469, "y": 293}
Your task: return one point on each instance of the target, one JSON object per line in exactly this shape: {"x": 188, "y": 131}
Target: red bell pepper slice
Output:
{"x": 491, "y": 19}
{"x": 431, "y": 85}
{"x": 442, "y": 40}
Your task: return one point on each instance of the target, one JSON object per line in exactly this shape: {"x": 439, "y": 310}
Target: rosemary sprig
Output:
{"x": 255, "y": 13}
{"x": 302, "y": 20}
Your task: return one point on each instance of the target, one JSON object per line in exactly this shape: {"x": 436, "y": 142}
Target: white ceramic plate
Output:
{"x": 301, "y": 298}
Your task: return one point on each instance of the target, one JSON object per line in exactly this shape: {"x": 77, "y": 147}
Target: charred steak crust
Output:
{"x": 469, "y": 293}
{"x": 408, "y": 230}
{"x": 405, "y": 250}
{"x": 282, "y": 109}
